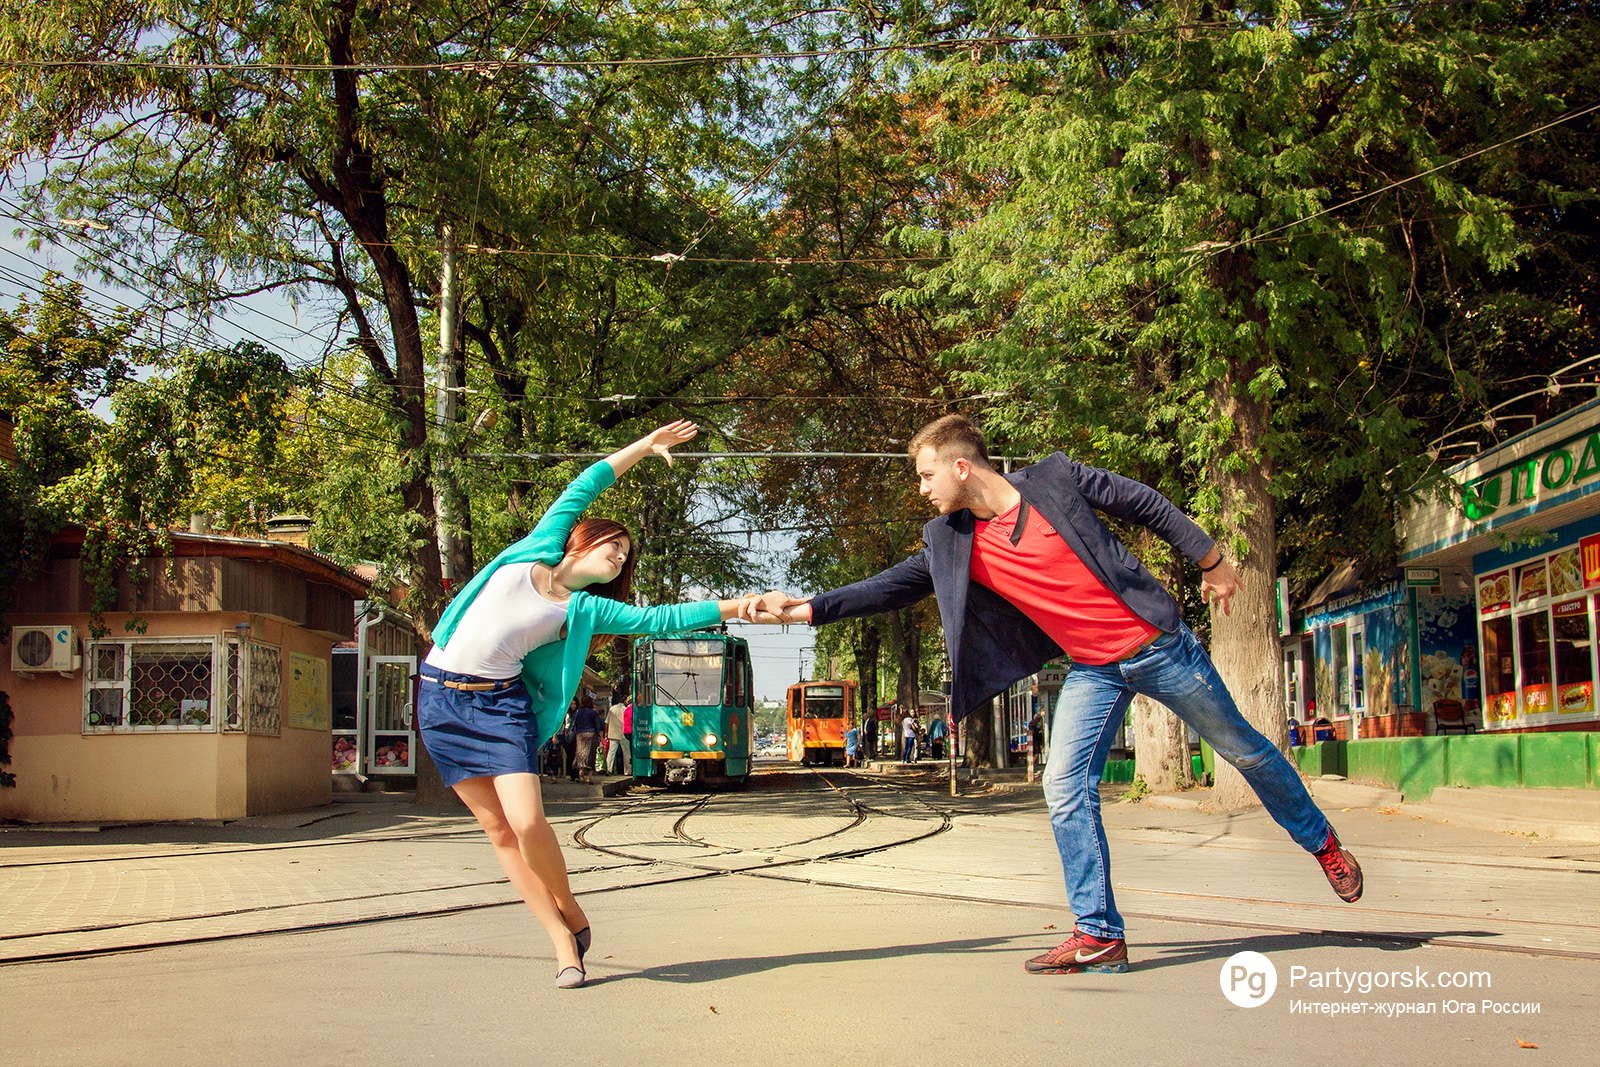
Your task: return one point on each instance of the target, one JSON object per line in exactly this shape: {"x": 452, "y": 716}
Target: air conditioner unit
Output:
{"x": 35, "y": 649}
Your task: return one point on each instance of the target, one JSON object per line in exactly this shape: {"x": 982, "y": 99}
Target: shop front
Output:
{"x": 1523, "y": 534}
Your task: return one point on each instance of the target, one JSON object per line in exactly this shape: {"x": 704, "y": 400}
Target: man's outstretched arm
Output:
{"x": 897, "y": 587}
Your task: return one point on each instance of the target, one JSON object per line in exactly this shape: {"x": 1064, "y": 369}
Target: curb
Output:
{"x": 1338, "y": 793}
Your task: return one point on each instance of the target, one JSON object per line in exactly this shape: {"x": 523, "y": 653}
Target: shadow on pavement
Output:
{"x": 1184, "y": 953}
{"x": 690, "y": 972}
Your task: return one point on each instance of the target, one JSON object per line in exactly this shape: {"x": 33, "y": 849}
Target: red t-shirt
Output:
{"x": 1047, "y": 582}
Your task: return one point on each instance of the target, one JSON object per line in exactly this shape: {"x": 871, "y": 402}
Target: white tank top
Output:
{"x": 506, "y": 621}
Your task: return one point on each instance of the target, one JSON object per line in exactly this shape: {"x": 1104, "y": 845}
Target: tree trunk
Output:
{"x": 1244, "y": 643}
{"x": 866, "y": 653}
{"x": 1161, "y": 740}
{"x": 980, "y": 736}
{"x": 1160, "y": 747}
{"x": 905, "y": 631}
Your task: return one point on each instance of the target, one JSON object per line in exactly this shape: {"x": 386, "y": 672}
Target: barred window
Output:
{"x": 159, "y": 685}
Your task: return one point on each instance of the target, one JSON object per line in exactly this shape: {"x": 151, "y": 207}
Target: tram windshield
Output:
{"x": 688, "y": 672}
{"x": 824, "y": 702}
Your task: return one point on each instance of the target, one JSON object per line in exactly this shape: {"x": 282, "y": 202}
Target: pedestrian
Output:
{"x": 627, "y": 731}
{"x": 852, "y": 741}
{"x": 508, "y": 656}
{"x": 908, "y": 738}
{"x": 937, "y": 732}
{"x": 1024, "y": 572}
{"x": 871, "y": 738}
{"x": 586, "y": 734}
{"x": 619, "y": 760}
{"x": 569, "y": 741}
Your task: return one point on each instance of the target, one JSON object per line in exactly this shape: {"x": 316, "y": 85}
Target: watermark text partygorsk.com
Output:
{"x": 1249, "y": 979}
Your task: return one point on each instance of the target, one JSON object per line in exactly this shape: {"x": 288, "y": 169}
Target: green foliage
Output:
{"x": 1157, "y": 252}
{"x": 58, "y": 361}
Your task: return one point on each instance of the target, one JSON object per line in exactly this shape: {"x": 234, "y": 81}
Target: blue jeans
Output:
{"x": 1176, "y": 671}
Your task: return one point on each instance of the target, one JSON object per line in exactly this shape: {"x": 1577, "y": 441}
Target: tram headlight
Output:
{"x": 661, "y": 740}
{"x": 711, "y": 740}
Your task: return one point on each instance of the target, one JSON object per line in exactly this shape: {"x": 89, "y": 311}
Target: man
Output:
{"x": 908, "y": 739}
{"x": 619, "y": 755}
{"x": 1024, "y": 571}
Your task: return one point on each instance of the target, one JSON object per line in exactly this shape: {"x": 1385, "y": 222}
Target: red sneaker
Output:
{"x": 1082, "y": 952}
{"x": 1343, "y": 872}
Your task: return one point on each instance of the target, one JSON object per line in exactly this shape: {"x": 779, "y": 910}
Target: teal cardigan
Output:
{"x": 552, "y": 672}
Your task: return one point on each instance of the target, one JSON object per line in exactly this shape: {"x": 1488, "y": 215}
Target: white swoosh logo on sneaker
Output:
{"x": 1091, "y": 957}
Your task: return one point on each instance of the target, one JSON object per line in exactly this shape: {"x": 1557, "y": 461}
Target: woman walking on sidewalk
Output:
{"x": 508, "y": 656}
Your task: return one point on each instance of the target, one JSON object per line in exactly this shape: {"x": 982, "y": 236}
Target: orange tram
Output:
{"x": 819, "y": 715}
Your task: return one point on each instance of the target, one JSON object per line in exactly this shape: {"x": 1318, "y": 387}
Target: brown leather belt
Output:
{"x": 471, "y": 687}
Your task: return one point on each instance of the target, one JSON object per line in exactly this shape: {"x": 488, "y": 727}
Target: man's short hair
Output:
{"x": 954, "y": 435}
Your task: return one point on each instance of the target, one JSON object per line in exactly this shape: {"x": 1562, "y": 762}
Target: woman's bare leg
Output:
{"x": 512, "y": 815}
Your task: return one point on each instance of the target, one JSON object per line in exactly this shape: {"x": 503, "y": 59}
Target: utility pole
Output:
{"x": 444, "y": 405}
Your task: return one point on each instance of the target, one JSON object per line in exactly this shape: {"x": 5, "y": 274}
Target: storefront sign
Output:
{"x": 1568, "y": 463}
{"x": 1422, "y": 577}
{"x": 1285, "y": 624}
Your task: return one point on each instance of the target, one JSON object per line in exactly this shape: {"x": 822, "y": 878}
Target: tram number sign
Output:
{"x": 687, "y": 718}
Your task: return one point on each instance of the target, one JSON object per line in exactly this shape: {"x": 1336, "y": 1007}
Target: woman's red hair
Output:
{"x": 589, "y": 533}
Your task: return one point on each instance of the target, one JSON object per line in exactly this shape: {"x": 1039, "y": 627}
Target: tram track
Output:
{"x": 659, "y": 870}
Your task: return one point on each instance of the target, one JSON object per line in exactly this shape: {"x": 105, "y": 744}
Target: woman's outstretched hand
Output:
{"x": 662, "y": 440}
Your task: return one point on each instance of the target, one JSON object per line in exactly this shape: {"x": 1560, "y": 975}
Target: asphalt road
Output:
{"x": 811, "y": 919}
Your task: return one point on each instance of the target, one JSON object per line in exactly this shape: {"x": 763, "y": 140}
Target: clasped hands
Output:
{"x": 775, "y": 608}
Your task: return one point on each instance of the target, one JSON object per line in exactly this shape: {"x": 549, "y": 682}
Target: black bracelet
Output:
{"x": 1220, "y": 560}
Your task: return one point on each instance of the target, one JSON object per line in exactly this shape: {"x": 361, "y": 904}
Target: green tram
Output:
{"x": 692, "y": 708}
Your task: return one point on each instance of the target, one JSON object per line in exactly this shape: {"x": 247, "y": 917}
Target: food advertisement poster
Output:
{"x": 310, "y": 704}
{"x": 1576, "y": 698}
{"x": 1531, "y": 583}
{"x": 1566, "y": 573}
{"x": 1500, "y": 708}
{"x": 1494, "y": 591}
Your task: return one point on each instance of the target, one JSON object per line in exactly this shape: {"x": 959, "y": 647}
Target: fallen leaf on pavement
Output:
{"x": 1525, "y": 1044}
{"x": 1052, "y": 926}
{"x": 1388, "y": 811}
{"x": 714, "y": 1010}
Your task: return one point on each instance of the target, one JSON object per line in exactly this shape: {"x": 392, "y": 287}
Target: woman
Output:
{"x": 586, "y": 732}
{"x": 507, "y": 658}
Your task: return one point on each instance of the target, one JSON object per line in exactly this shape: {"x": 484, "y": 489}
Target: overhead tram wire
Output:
{"x": 723, "y": 455}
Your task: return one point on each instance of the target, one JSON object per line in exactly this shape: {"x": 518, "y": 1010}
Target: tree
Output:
{"x": 58, "y": 361}
{"x": 1170, "y": 239}
{"x": 319, "y": 150}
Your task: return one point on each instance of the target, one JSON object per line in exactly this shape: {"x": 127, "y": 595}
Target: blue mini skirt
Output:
{"x": 476, "y": 733}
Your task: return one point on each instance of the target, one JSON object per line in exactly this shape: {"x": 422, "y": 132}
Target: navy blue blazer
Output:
{"x": 990, "y": 642}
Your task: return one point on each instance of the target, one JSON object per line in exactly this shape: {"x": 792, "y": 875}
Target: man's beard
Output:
{"x": 963, "y": 497}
